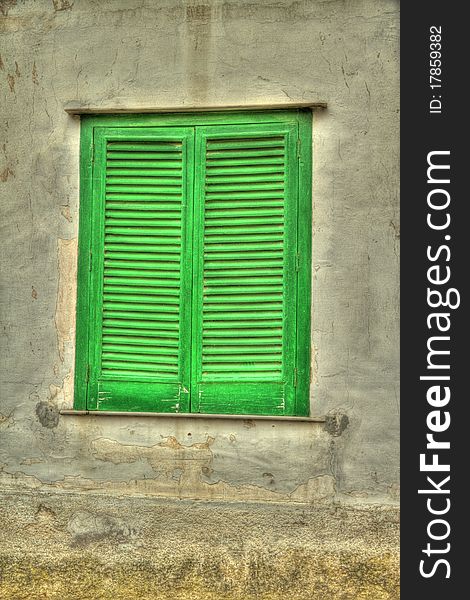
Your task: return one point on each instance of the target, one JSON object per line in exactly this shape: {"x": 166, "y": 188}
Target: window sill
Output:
{"x": 107, "y": 413}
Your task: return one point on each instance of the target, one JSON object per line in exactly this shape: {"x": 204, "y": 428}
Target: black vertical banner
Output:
{"x": 435, "y": 268}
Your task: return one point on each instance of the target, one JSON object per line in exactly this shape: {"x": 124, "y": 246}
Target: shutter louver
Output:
{"x": 243, "y": 259}
{"x": 142, "y": 249}
{"x": 142, "y": 270}
{"x": 245, "y": 334}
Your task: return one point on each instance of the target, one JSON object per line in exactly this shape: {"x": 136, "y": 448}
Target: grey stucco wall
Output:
{"x": 121, "y": 53}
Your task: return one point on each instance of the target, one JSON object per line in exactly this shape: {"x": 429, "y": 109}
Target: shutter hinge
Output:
{"x": 297, "y": 261}
{"x": 295, "y": 377}
{"x": 93, "y": 153}
{"x": 87, "y": 374}
{"x": 298, "y": 147}
{"x": 91, "y": 260}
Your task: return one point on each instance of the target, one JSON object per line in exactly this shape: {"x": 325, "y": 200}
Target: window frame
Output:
{"x": 303, "y": 119}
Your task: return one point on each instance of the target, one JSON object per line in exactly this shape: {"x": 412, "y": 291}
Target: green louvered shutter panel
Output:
{"x": 244, "y": 316}
{"x": 142, "y": 194}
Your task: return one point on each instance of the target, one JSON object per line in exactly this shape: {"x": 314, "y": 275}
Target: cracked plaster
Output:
{"x": 214, "y": 52}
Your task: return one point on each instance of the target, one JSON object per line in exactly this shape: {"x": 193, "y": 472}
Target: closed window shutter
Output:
{"x": 244, "y": 305}
{"x": 194, "y": 264}
{"x": 141, "y": 316}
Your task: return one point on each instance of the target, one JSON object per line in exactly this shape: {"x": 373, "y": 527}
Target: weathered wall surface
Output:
{"x": 79, "y": 546}
{"x": 196, "y": 53}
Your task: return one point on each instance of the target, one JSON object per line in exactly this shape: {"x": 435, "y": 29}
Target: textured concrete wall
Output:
{"x": 196, "y": 53}
{"x": 87, "y": 547}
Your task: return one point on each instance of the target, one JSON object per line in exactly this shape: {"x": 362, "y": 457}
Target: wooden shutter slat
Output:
{"x": 232, "y": 143}
{"x": 235, "y": 210}
{"x": 129, "y": 239}
{"x": 146, "y": 198}
{"x": 241, "y": 170}
{"x": 242, "y": 338}
{"x": 152, "y": 156}
{"x": 146, "y": 164}
{"x": 162, "y": 186}
{"x": 243, "y": 153}
{"x": 162, "y": 339}
{"x": 141, "y": 145}
{"x": 241, "y": 195}
{"x": 137, "y": 254}
{"x": 260, "y": 177}
{"x": 135, "y": 171}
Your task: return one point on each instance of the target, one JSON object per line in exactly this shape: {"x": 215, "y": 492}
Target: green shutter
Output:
{"x": 140, "y": 282}
{"x": 244, "y": 305}
{"x": 194, "y": 263}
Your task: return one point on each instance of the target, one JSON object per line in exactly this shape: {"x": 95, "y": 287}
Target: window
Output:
{"x": 194, "y": 263}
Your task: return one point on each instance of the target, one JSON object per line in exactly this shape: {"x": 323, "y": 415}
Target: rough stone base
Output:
{"x": 81, "y": 546}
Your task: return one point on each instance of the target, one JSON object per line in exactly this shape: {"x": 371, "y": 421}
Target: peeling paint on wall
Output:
{"x": 34, "y": 74}
{"x": 65, "y": 212}
{"x": 5, "y": 6}
{"x": 317, "y": 490}
{"x": 87, "y": 528}
{"x": 60, "y": 5}
{"x": 211, "y": 53}
{"x": 62, "y": 396}
{"x": 47, "y": 414}
{"x": 59, "y": 397}
{"x": 11, "y": 82}
{"x": 312, "y": 509}
{"x": 6, "y": 173}
{"x": 66, "y": 294}
{"x": 336, "y": 423}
